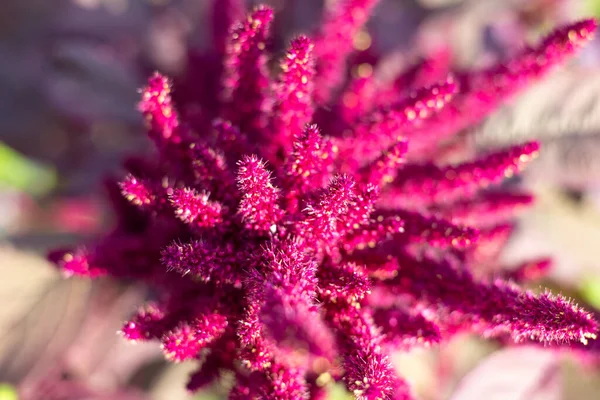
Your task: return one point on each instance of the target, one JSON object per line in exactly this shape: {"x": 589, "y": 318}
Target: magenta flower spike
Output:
{"x": 195, "y": 209}
{"x": 405, "y": 330}
{"x": 138, "y": 192}
{"x": 277, "y": 251}
{"x": 225, "y": 14}
{"x": 157, "y": 107}
{"x": 309, "y": 165}
{"x": 258, "y": 207}
{"x": 369, "y": 373}
{"x": 146, "y": 324}
{"x": 436, "y": 232}
{"x": 419, "y": 106}
{"x": 246, "y": 82}
{"x": 498, "y": 308}
{"x": 388, "y": 124}
{"x": 294, "y": 107}
{"x": 187, "y": 339}
{"x": 484, "y": 90}
{"x": 423, "y": 185}
{"x": 333, "y": 43}
{"x": 487, "y": 209}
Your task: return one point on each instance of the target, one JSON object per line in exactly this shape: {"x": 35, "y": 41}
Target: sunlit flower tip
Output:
{"x": 259, "y": 204}
{"x": 385, "y": 125}
{"x": 425, "y": 102}
{"x": 574, "y": 324}
{"x": 442, "y": 185}
{"x": 137, "y": 192}
{"x": 300, "y": 50}
{"x": 433, "y": 97}
{"x": 245, "y": 79}
{"x": 157, "y": 107}
{"x": 196, "y": 209}
{"x": 75, "y": 263}
{"x": 571, "y": 37}
{"x": 296, "y": 79}
{"x": 285, "y": 383}
{"x": 294, "y": 107}
{"x": 369, "y": 374}
{"x": 146, "y": 324}
{"x": 497, "y": 308}
{"x": 188, "y": 338}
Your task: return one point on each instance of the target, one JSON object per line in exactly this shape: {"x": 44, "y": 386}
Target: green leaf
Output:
{"x": 338, "y": 392}
{"x": 594, "y": 7}
{"x": 590, "y": 291}
{"x": 8, "y": 392}
{"x": 206, "y": 395}
{"x": 20, "y": 173}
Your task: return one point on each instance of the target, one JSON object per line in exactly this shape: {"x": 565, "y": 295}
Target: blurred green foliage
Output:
{"x": 8, "y": 392}
{"x": 590, "y": 291}
{"x": 594, "y": 7}
{"x": 338, "y": 392}
{"x": 205, "y": 396}
{"x": 20, "y": 173}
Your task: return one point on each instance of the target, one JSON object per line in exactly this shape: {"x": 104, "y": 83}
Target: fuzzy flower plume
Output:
{"x": 292, "y": 245}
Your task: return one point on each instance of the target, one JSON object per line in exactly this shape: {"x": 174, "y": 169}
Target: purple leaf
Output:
{"x": 519, "y": 373}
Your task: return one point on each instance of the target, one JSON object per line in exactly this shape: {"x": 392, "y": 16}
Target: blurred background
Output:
{"x": 69, "y": 77}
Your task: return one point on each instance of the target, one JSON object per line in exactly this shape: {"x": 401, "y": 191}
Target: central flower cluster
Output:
{"x": 292, "y": 258}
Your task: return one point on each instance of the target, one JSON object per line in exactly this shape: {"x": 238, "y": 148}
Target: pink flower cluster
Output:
{"x": 294, "y": 237}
